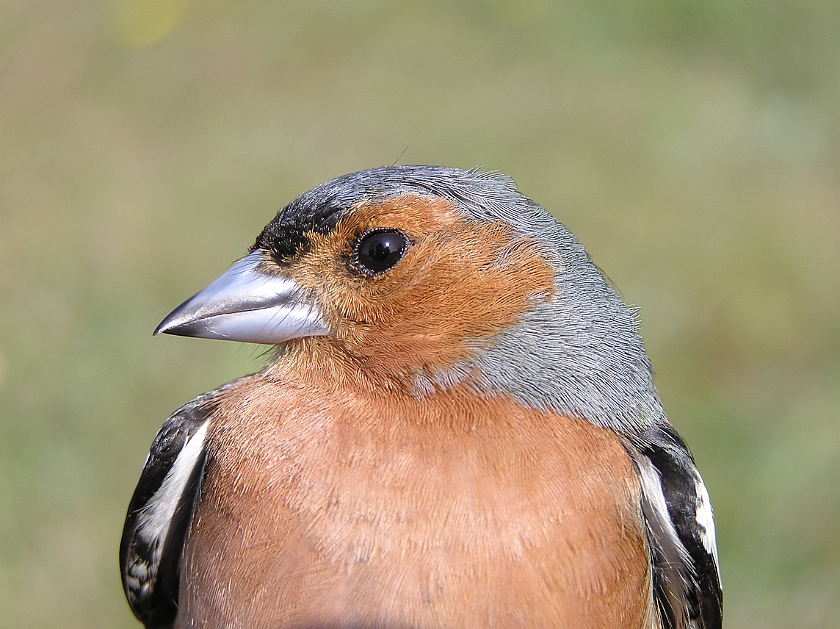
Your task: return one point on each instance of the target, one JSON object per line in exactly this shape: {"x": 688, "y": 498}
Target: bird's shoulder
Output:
{"x": 160, "y": 508}
{"x": 681, "y": 532}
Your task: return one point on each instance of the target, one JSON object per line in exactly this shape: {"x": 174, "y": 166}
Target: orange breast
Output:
{"x": 326, "y": 508}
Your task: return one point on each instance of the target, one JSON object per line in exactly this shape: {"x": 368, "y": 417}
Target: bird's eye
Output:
{"x": 378, "y": 250}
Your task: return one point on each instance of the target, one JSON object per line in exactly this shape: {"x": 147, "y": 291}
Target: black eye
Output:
{"x": 379, "y": 250}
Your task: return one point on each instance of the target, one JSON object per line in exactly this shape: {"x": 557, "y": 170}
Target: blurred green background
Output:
{"x": 693, "y": 146}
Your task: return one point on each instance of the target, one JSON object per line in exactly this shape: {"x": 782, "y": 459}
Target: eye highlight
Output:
{"x": 378, "y": 250}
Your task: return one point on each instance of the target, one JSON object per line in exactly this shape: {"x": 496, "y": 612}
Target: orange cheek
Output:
{"x": 459, "y": 281}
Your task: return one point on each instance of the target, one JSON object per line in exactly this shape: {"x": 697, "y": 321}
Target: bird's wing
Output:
{"x": 160, "y": 510}
{"x": 681, "y": 530}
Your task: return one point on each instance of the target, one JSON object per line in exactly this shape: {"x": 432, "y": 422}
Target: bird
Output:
{"x": 458, "y": 428}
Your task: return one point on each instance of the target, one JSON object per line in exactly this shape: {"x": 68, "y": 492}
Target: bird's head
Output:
{"x": 420, "y": 279}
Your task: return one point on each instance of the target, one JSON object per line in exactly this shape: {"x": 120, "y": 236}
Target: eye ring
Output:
{"x": 378, "y": 250}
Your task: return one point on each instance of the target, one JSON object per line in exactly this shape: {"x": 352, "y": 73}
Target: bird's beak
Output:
{"x": 248, "y": 306}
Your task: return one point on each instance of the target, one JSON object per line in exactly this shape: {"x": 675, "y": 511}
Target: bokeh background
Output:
{"x": 692, "y": 145}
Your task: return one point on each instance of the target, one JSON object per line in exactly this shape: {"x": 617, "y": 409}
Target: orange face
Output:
{"x": 459, "y": 283}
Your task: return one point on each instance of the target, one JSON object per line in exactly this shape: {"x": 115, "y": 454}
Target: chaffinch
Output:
{"x": 459, "y": 429}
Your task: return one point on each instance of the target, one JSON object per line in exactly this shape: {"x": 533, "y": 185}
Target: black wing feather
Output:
{"x": 666, "y": 451}
{"x": 150, "y": 586}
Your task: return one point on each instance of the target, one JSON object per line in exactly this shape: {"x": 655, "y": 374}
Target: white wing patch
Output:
{"x": 155, "y": 517}
{"x": 676, "y": 564}
{"x": 705, "y": 519}
{"x": 652, "y": 491}
{"x": 681, "y": 532}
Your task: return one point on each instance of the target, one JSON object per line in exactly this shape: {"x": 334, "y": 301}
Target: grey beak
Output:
{"x": 248, "y": 306}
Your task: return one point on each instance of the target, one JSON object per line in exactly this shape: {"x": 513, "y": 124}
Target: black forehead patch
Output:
{"x": 320, "y": 209}
{"x": 288, "y": 233}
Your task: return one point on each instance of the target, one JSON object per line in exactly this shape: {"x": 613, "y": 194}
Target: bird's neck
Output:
{"x": 377, "y": 369}
{"x": 555, "y": 357}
